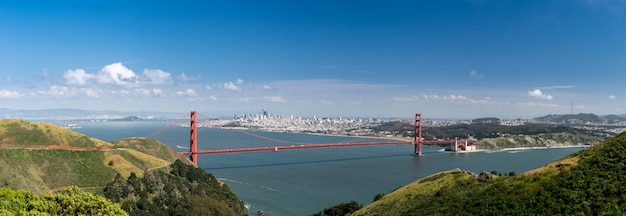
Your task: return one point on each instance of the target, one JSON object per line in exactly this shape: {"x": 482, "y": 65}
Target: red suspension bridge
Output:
{"x": 417, "y": 141}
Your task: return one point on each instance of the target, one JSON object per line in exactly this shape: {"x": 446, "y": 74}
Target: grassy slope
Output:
{"x": 540, "y": 140}
{"x": 151, "y": 147}
{"x": 41, "y": 157}
{"x": 20, "y": 133}
{"x": 397, "y": 202}
{"x": 587, "y": 182}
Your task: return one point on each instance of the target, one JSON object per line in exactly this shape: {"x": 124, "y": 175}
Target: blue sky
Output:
{"x": 445, "y": 59}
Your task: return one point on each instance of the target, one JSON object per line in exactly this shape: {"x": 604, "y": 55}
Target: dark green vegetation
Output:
{"x": 72, "y": 202}
{"x": 490, "y": 130}
{"x": 480, "y": 129}
{"x": 184, "y": 190}
{"x": 340, "y": 209}
{"x": 589, "y": 182}
{"x": 128, "y": 118}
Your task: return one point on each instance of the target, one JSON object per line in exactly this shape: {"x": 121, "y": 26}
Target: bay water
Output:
{"x": 302, "y": 182}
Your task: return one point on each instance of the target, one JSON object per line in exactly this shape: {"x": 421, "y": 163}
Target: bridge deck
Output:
{"x": 325, "y": 145}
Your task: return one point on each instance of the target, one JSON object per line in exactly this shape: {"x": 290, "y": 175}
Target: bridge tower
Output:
{"x": 417, "y": 142}
{"x": 193, "y": 139}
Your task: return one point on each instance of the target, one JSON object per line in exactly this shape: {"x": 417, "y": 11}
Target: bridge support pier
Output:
{"x": 193, "y": 140}
{"x": 417, "y": 141}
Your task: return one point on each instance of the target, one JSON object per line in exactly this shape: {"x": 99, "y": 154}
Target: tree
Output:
{"x": 72, "y": 202}
{"x": 340, "y": 209}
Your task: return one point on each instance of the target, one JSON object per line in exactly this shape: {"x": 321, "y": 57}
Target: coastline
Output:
{"x": 540, "y": 147}
{"x": 408, "y": 139}
{"x": 518, "y": 149}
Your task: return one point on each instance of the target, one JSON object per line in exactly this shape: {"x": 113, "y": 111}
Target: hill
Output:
{"x": 128, "y": 118}
{"x": 490, "y": 130}
{"x": 581, "y": 118}
{"x": 41, "y": 157}
{"x": 589, "y": 182}
{"x": 571, "y": 118}
{"x": 480, "y": 129}
{"x": 548, "y": 140}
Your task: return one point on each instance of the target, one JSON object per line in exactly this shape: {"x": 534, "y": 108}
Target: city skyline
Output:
{"x": 445, "y": 59}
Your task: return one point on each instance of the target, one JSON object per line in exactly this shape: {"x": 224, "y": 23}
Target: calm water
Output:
{"x": 302, "y": 182}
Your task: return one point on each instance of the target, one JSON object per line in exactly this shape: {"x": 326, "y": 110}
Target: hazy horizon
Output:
{"x": 161, "y": 114}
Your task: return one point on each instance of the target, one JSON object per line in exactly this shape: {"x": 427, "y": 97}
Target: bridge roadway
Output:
{"x": 323, "y": 145}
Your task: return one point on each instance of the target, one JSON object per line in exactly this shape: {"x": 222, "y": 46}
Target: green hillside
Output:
{"x": 20, "y": 133}
{"x": 143, "y": 176}
{"x": 150, "y": 146}
{"x": 539, "y": 140}
{"x": 41, "y": 157}
{"x": 589, "y": 182}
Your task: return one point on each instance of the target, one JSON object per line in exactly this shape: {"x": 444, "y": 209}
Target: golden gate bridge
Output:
{"x": 417, "y": 142}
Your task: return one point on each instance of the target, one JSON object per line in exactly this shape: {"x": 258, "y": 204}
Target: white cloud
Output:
{"x": 465, "y": 100}
{"x": 267, "y": 87}
{"x": 142, "y": 92}
{"x": 476, "y": 75}
{"x": 239, "y": 81}
{"x": 405, "y": 99}
{"x": 430, "y": 97}
{"x": 538, "y": 94}
{"x": 77, "y": 77}
{"x": 213, "y": 98}
{"x": 156, "y": 76}
{"x": 120, "y": 92}
{"x": 231, "y": 86}
{"x": 183, "y": 77}
{"x": 58, "y": 91}
{"x": 459, "y": 99}
{"x": 538, "y": 105}
{"x": 612, "y": 97}
{"x": 187, "y": 93}
{"x": 92, "y": 92}
{"x": 6, "y": 94}
{"x": 157, "y": 91}
{"x": 274, "y": 99}
{"x": 208, "y": 87}
{"x": 117, "y": 74}
{"x": 245, "y": 99}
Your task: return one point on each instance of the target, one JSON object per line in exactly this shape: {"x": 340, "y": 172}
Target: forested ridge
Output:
{"x": 483, "y": 128}
{"x": 184, "y": 190}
